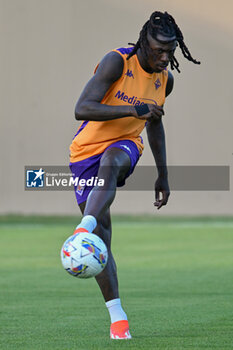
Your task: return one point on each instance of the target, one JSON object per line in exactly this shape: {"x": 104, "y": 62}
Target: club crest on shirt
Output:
{"x": 80, "y": 189}
{"x": 157, "y": 83}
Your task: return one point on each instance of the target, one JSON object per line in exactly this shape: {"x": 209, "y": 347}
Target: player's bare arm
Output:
{"x": 156, "y": 138}
{"x": 89, "y": 106}
{"x": 170, "y": 83}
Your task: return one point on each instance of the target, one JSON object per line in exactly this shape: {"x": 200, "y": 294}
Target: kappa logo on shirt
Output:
{"x": 129, "y": 74}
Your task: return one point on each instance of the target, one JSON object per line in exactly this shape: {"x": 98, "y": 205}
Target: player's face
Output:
{"x": 160, "y": 52}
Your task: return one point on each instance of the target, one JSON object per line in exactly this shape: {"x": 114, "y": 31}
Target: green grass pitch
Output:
{"x": 175, "y": 276}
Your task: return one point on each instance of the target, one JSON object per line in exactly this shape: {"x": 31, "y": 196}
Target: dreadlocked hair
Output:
{"x": 164, "y": 24}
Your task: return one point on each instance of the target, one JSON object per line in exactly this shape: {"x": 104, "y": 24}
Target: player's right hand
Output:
{"x": 155, "y": 113}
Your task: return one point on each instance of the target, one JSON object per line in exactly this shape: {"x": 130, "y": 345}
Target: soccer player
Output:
{"x": 126, "y": 93}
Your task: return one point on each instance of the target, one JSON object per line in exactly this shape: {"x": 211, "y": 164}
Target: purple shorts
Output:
{"x": 87, "y": 169}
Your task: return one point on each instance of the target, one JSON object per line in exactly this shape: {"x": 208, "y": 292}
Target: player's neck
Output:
{"x": 143, "y": 62}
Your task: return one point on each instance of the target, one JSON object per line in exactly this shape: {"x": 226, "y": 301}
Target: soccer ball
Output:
{"x": 84, "y": 255}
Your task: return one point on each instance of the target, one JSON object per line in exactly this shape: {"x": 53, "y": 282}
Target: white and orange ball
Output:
{"x": 84, "y": 255}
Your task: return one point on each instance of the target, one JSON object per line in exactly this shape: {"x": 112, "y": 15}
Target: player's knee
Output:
{"x": 109, "y": 170}
{"x": 114, "y": 164}
{"x": 110, "y": 161}
{"x": 115, "y": 157}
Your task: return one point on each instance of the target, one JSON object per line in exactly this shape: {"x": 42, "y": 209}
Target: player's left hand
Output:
{"x": 162, "y": 192}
